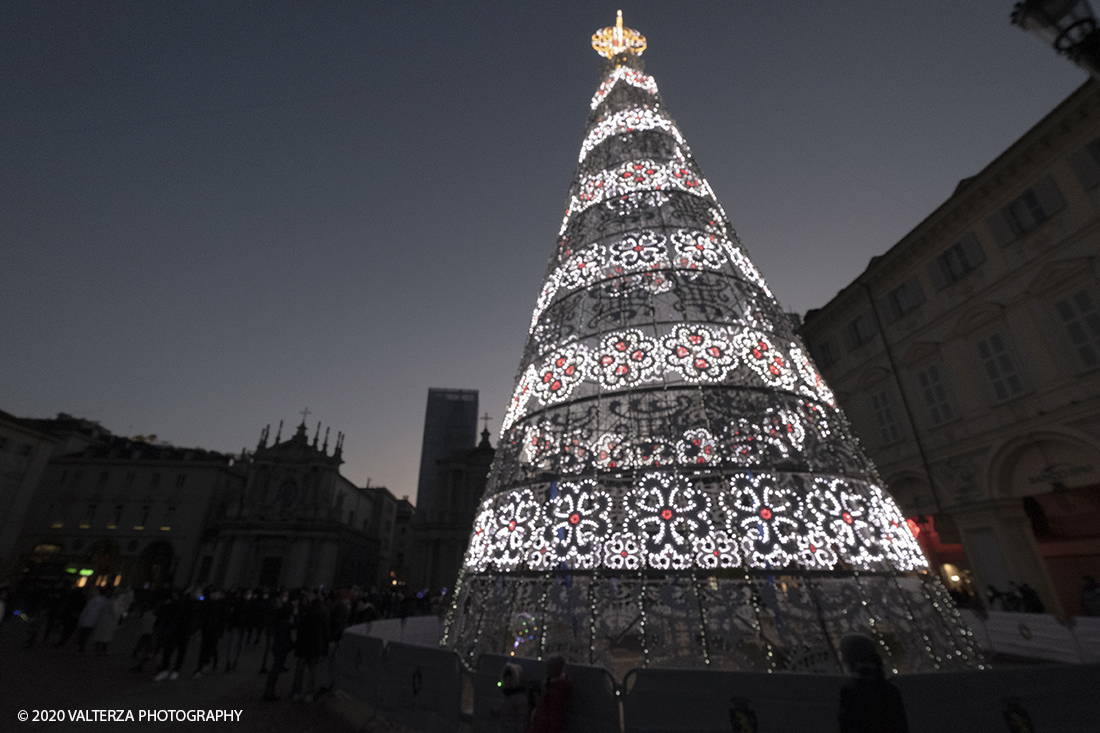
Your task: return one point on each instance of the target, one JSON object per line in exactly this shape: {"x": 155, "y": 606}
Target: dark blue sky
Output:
{"x": 213, "y": 214}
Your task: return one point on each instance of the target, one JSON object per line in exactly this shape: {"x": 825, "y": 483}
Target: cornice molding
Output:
{"x": 919, "y": 352}
{"x": 870, "y": 377}
{"x": 976, "y": 316}
{"x": 1059, "y": 273}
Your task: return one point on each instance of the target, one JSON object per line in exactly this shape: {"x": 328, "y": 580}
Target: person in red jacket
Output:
{"x": 550, "y": 714}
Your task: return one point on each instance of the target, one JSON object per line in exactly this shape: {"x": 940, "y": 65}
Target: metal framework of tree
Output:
{"x": 675, "y": 485}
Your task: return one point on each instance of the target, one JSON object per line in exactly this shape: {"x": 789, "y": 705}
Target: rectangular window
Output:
{"x": 826, "y": 354}
{"x": 1027, "y": 211}
{"x": 885, "y": 418}
{"x": 956, "y": 262}
{"x": 57, "y": 518}
{"x": 1082, "y": 321}
{"x": 104, "y": 477}
{"x": 89, "y": 515}
{"x": 1000, "y": 367}
{"x": 1086, "y": 164}
{"x": 118, "y": 518}
{"x": 859, "y": 331}
{"x": 77, "y": 475}
{"x": 154, "y": 482}
{"x": 903, "y": 299}
{"x": 3, "y": 442}
{"x": 129, "y": 480}
{"x": 169, "y": 517}
{"x": 61, "y": 479}
{"x": 935, "y": 395}
{"x": 144, "y": 518}
{"x": 181, "y": 480}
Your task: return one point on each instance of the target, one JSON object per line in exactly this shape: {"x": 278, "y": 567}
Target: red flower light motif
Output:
{"x": 512, "y": 526}
{"x": 574, "y": 518}
{"x": 765, "y": 359}
{"x": 626, "y": 358}
{"x": 846, "y": 517}
{"x": 698, "y": 353}
{"x": 666, "y": 514}
{"x": 765, "y": 514}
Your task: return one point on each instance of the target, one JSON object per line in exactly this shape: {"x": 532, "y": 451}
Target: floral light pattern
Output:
{"x": 559, "y": 374}
{"x": 716, "y": 550}
{"x": 630, "y": 76}
{"x": 515, "y": 519}
{"x": 700, "y": 353}
{"x": 628, "y": 120}
{"x": 667, "y": 513}
{"x": 760, "y": 353}
{"x": 813, "y": 385}
{"x": 626, "y": 358}
{"x": 698, "y": 250}
{"x": 577, "y": 523}
{"x": 767, "y": 517}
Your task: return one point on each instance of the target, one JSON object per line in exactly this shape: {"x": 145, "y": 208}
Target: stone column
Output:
{"x": 325, "y": 572}
{"x": 297, "y": 566}
{"x": 1001, "y": 547}
{"x": 238, "y": 556}
{"x": 221, "y": 559}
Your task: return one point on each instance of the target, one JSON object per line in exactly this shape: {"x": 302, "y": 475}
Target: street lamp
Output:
{"x": 1067, "y": 25}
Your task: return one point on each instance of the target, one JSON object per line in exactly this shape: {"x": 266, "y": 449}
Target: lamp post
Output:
{"x": 1067, "y": 25}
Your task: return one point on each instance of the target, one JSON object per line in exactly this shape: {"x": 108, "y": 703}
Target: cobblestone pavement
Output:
{"x": 48, "y": 678}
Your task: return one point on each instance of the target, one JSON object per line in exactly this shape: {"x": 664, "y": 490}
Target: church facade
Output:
{"x": 297, "y": 522}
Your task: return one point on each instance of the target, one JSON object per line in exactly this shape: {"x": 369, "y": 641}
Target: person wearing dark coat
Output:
{"x": 310, "y": 647}
{"x": 71, "y": 608}
{"x": 869, "y": 703}
{"x": 213, "y": 617}
{"x": 239, "y": 626}
{"x": 268, "y": 610}
{"x": 1030, "y": 600}
{"x": 180, "y": 622}
{"x": 254, "y": 615}
{"x": 338, "y": 615}
{"x": 284, "y": 618}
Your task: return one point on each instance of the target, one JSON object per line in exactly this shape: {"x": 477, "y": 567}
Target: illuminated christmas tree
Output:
{"x": 675, "y": 484}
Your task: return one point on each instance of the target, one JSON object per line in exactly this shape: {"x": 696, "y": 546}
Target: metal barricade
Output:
{"x": 421, "y": 688}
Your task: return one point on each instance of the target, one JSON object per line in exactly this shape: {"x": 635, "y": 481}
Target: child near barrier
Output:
{"x": 514, "y": 712}
{"x": 550, "y": 712}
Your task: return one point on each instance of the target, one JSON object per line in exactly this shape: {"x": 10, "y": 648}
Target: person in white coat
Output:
{"x": 106, "y": 624}
{"x": 89, "y": 618}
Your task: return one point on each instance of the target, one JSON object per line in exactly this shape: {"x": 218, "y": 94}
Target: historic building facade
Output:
{"x": 122, "y": 511}
{"x": 441, "y": 537}
{"x": 968, "y": 359}
{"x": 26, "y": 446}
{"x": 440, "y": 526}
{"x": 296, "y": 521}
{"x": 24, "y": 452}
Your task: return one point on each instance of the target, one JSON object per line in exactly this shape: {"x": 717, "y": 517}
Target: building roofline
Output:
{"x": 967, "y": 188}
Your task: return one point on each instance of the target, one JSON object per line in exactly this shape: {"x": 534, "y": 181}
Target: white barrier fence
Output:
{"x": 421, "y": 687}
{"x": 1038, "y": 636}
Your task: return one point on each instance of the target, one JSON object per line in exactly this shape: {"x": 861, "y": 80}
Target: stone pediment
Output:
{"x": 920, "y": 351}
{"x": 1058, "y": 273}
{"x": 872, "y": 376}
{"x": 977, "y": 316}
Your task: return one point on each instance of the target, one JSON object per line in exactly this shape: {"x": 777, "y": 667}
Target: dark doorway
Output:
{"x": 269, "y": 572}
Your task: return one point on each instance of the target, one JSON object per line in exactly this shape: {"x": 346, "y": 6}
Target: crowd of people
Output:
{"x": 221, "y": 624}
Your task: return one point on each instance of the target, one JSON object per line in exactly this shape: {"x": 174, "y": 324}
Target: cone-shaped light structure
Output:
{"x": 675, "y": 484}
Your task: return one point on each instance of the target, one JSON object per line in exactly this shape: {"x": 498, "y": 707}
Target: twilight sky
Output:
{"x": 214, "y": 214}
